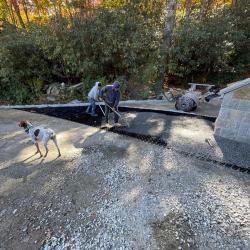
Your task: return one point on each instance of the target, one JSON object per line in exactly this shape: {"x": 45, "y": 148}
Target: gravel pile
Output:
{"x": 109, "y": 191}
{"x": 149, "y": 197}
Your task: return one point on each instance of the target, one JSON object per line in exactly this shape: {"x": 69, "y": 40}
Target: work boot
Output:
{"x": 107, "y": 125}
{"x": 117, "y": 124}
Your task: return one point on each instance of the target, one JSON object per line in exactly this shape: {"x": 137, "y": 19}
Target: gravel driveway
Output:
{"x": 108, "y": 191}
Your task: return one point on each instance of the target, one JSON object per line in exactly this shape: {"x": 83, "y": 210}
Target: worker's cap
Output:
{"x": 116, "y": 84}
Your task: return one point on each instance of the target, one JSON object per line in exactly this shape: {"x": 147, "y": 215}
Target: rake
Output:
{"x": 101, "y": 109}
{"x": 120, "y": 116}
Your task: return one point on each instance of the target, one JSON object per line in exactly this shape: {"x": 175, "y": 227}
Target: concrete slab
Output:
{"x": 188, "y": 134}
{"x": 109, "y": 191}
{"x": 204, "y": 109}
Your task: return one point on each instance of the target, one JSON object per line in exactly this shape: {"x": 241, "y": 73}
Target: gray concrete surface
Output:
{"x": 109, "y": 191}
{"x": 234, "y": 117}
{"x": 205, "y": 109}
{"x": 189, "y": 134}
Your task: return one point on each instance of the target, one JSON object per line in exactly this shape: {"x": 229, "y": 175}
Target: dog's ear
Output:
{"x": 23, "y": 124}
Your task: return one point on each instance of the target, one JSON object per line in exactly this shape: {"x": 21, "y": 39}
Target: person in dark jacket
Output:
{"x": 111, "y": 96}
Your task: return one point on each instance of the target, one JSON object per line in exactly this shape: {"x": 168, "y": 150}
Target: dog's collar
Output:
{"x": 28, "y": 128}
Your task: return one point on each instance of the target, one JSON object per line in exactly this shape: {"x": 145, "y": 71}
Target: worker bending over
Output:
{"x": 111, "y": 96}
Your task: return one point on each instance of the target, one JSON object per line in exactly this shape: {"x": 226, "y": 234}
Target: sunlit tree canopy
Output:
{"x": 140, "y": 42}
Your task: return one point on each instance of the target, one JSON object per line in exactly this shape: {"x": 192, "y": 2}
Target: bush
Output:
{"x": 23, "y": 68}
{"x": 122, "y": 41}
{"x": 213, "y": 49}
{"x": 110, "y": 44}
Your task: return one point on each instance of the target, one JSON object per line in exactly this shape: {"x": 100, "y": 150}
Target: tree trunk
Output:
{"x": 9, "y": 13}
{"x": 37, "y": 8}
{"x": 24, "y": 3}
{"x": 169, "y": 25}
{"x": 68, "y": 7}
{"x": 167, "y": 38}
{"x": 188, "y": 11}
{"x": 205, "y": 4}
{"x": 54, "y": 3}
{"x": 17, "y": 10}
{"x": 234, "y": 3}
{"x": 59, "y": 3}
{"x": 13, "y": 15}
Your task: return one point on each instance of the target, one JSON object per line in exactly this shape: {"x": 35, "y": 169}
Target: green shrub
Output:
{"x": 214, "y": 48}
{"x": 122, "y": 41}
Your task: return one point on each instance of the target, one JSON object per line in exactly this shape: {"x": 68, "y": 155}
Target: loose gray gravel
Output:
{"x": 153, "y": 198}
{"x": 114, "y": 192}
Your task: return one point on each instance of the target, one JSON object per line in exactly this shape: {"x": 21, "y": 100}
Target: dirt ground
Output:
{"x": 32, "y": 186}
{"x": 109, "y": 191}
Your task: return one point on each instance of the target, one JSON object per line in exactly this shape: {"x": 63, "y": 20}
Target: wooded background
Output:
{"x": 143, "y": 43}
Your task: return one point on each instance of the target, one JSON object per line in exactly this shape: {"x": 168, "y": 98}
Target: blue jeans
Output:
{"x": 107, "y": 111}
{"x": 91, "y": 108}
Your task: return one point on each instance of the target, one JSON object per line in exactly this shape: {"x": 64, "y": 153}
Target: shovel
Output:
{"x": 101, "y": 109}
{"x": 120, "y": 116}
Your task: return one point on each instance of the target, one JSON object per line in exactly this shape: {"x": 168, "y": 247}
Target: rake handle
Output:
{"x": 101, "y": 109}
{"x": 113, "y": 110}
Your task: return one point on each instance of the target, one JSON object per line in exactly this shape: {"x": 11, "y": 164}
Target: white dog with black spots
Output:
{"x": 40, "y": 134}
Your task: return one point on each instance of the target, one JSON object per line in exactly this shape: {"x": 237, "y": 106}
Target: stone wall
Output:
{"x": 233, "y": 121}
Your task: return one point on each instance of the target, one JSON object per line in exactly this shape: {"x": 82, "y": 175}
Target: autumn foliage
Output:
{"x": 139, "y": 42}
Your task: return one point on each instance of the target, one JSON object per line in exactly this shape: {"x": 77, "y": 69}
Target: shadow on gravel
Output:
{"x": 158, "y": 127}
{"x": 21, "y": 170}
{"x": 169, "y": 231}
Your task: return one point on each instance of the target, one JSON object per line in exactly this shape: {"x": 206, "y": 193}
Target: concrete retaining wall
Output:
{"x": 233, "y": 121}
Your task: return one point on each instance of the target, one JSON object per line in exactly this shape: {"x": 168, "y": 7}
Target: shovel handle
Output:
{"x": 101, "y": 110}
{"x": 113, "y": 110}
